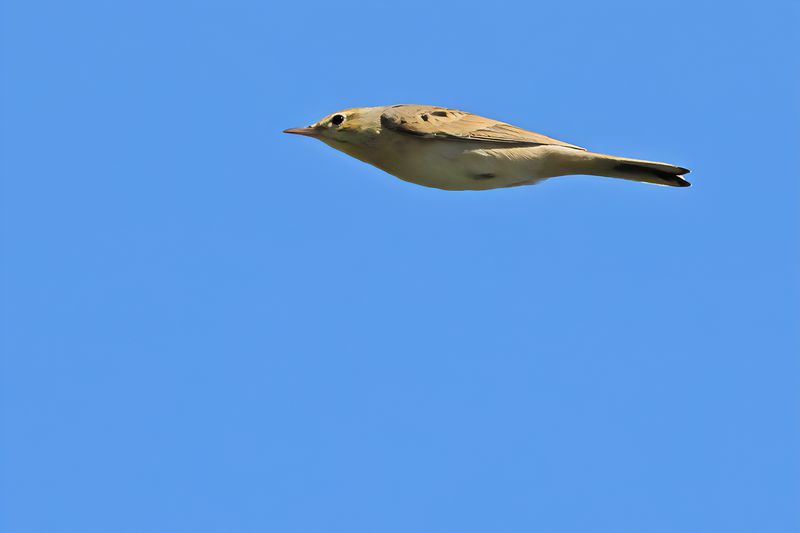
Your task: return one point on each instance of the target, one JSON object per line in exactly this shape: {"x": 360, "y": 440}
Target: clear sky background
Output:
{"x": 210, "y": 326}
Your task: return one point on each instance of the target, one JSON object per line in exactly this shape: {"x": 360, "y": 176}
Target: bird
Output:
{"x": 454, "y": 150}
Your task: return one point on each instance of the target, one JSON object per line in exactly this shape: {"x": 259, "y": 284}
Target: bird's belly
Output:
{"x": 465, "y": 165}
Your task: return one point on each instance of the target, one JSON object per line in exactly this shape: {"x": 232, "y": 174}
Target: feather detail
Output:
{"x": 451, "y": 124}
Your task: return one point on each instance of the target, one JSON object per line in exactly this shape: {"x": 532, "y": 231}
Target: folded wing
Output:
{"x": 442, "y": 123}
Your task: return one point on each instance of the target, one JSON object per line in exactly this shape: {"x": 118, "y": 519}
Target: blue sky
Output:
{"x": 210, "y": 326}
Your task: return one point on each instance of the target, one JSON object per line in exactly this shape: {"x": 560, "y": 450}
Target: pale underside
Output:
{"x": 455, "y": 165}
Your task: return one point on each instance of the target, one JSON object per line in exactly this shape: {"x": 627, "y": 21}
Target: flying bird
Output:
{"x": 455, "y": 150}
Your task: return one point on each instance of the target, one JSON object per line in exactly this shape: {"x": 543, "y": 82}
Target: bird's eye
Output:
{"x": 337, "y": 119}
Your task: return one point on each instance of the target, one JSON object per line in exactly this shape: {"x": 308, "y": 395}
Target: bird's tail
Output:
{"x": 633, "y": 169}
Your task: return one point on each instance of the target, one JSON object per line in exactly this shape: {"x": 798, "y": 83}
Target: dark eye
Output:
{"x": 337, "y": 119}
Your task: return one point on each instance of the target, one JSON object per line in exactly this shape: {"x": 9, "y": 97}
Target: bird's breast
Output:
{"x": 456, "y": 165}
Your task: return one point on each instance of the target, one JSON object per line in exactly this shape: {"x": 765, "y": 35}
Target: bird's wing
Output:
{"x": 442, "y": 123}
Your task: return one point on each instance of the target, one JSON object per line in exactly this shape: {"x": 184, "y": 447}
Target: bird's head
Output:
{"x": 356, "y": 126}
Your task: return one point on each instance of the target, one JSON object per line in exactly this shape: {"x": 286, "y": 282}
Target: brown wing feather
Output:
{"x": 442, "y": 123}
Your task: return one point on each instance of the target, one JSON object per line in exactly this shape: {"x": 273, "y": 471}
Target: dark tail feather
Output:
{"x": 649, "y": 174}
{"x": 633, "y": 169}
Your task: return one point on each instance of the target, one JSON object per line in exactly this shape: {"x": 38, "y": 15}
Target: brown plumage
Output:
{"x": 442, "y": 123}
{"x": 455, "y": 150}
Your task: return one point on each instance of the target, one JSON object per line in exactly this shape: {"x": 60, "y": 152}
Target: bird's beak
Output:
{"x": 310, "y": 132}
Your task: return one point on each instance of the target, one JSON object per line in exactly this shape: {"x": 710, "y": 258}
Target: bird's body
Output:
{"x": 455, "y": 165}
{"x": 453, "y": 150}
